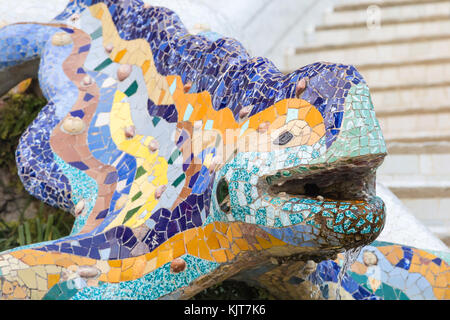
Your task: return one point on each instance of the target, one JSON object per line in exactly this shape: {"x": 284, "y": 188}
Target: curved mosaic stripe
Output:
{"x": 399, "y": 273}
{"x": 154, "y": 285}
{"x": 34, "y": 155}
{"x": 73, "y": 148}
{"x": 160, "y": 239}
{"x": 86, "y": 187}
{"x": 217, "y": 243}
{"x": 36, "y": 164}
{"x": 148, "y": 161}
{"x": 99, "y": 137}
{"x": 105, "y": 150}
{"x": 83, "y": 188}
{"x": 135, "y": 95}
{"x": 81, "y": 221}
{"x": 55, "y": 85}
{"x": 129, "y": 97}
{"x": 15, "y": 50}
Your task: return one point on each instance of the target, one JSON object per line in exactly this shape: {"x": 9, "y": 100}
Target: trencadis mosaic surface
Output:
{"x": 186, "y": 161}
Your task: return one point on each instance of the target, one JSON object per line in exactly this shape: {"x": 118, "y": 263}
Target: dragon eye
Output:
{"x": 283, "y": 138}
{"x": 222, "y": 195}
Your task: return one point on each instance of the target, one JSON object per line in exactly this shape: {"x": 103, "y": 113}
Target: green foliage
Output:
{"x": 49, "y": 224}
{"x": 17, "y": 111}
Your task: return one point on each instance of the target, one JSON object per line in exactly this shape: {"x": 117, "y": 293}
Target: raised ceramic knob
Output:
{"x": 73, "y": 125}
{"x": 87, "y": 81}
{"x": 109, "y": 47}
{"x": 263, "y": 127}
{"x": 61, "y": 39}
{"x": 88, "y": 272}
{"x": 130, "y": 132}
{"x": 177, "y": 265}
{"x": 244, "y": 112}
{"x": 369, "y": 258}
{"x": 123, "y": 72}
{"x": 159, "y": 191}
{"x": 301, "y": 85}
{"x": 187, "y": 87}
{"x": 153, "y": 145}
{"x": 79, "y": 208}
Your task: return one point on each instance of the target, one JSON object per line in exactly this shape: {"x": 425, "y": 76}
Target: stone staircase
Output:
{"x": 402, "y": 49}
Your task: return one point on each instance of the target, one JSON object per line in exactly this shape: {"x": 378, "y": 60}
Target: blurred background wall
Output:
{"x": 401, "y": 47}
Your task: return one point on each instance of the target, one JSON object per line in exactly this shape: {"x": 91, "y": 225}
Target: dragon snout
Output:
{"x": 326, "y": 207}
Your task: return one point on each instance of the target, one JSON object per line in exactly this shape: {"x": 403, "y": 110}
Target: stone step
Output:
{"x": 410, "y": 189}
{"x": 384, "y": 16}
{"x": 429, "y": 202}
{"x": 411, "y": 128}
{"x": 422, "y": 182}
{"x": 403, "y": 28}
{"x": 430, "y": 170}
{"x": 432, "y": 212}
{"x": 368, "y": 52}
{"x": 415, "y": 139}
{"x": 354, "y": 5}
{"x": 413, "y": 99}
{"x": 345, "y": 16}
{"x": 413, "y": 74}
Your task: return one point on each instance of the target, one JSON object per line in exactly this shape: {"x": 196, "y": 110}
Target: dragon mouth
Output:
{"x": 319, "y": 208}
{"x": 347, "y": 180}
{"x": 337, "y": 200}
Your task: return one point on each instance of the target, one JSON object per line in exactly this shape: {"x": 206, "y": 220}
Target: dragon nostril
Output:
{"x": 283, "y": 138}
{"x": 312, "y": 190}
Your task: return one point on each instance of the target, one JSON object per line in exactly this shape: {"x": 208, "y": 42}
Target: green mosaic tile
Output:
{"x": 132, "y": 89}
{"x": 130, "y": 213}
{"x": 139, "y": 172}
{"x": 104, "y": 64}
{"x": 97, "y": 33}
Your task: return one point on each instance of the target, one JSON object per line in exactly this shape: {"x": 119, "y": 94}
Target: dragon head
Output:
{"x": 183, "y": 159}
{"x": 307, "y": 175}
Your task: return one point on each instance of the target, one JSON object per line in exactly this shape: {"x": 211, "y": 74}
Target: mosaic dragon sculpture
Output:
{"x": 186, "y": 162}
